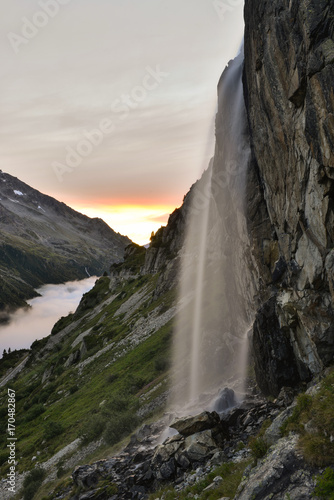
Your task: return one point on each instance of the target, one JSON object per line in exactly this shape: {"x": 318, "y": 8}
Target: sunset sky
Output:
{"x": 109, "y": 105}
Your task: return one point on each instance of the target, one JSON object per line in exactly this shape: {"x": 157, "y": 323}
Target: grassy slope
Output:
{"x": 73, "y": 394}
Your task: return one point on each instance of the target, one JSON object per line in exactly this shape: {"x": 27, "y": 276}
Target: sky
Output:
{"x": 109, "y": 105}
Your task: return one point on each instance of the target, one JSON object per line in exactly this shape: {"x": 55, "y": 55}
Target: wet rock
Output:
{"x": 164, "y": 452}
{"x": 200, "y": 446}
{"x": 182, "y": 460}
{"x": 167, "y": 469}
{"x": 275, "y": 363}
{"x": 143, "y": 433}
{"x": 226, "y": 399}
{"x": 193, "y": 424}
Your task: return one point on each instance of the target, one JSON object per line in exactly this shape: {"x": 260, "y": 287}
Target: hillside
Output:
{"x": 107, "y": 360}
{"x": 45, "y": 241}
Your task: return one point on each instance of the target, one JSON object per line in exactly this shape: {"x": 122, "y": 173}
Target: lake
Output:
{"x": 29, "y": 324}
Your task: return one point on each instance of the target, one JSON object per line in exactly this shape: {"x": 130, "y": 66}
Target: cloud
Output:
{"x": 56, "y": 301}
{"x": 65, "y": 80}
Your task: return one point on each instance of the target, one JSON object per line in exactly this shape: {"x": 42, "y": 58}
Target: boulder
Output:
{"x": 164, "y": 452}
{"x": 193, "y": 424}
{"x": 226, "y": 399}
{"x": 200, "y": 446}
{"x": 86, "y": 476}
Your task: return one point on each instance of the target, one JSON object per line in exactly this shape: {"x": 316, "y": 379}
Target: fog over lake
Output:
{"x": 27, "y": 325}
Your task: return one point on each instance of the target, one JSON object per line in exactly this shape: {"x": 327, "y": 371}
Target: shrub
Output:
{"x": 30, "y": 491}
{"x": 62, "y": 323}
{"x": 120, "y": 426}
{"x": 34, "y": 412}
{"x": 117, "y": 404}
{"x": 161, "y": 364}
{"x": 325, "y": 485}
{"x": 46, "y": 393}
{"x": 32, "y": 483}
{"x": 258, "y": 446}
{"x": 121, "y": 418}
{"x": 60, "y": 472}
{"x": 73, "y": 389}
{"x": 112, "y": 377}
{"x": 36, "y": 475}
{"x": 93, "y": 428}
{"x": 52, "y": 429}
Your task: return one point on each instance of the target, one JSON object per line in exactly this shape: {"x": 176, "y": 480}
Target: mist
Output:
{"x": 29, "y": 324}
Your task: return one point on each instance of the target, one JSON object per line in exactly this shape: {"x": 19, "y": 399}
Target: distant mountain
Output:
{"x": 44, "y": 241}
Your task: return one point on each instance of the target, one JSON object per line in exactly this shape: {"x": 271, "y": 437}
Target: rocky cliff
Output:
{"x": 45, "y": 241}
{"x": 288, "y": 86}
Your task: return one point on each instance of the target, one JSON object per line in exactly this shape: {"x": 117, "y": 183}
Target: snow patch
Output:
{"x": 19, "y": 193}
{"x": 40, "y": 208}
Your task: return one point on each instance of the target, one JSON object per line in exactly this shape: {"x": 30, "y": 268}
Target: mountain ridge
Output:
{"x": 45, "y": 241}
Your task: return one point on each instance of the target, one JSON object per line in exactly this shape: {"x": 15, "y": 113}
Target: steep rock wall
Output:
{"x": 288, "y": 86}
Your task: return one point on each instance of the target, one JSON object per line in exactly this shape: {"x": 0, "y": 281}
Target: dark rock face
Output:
{"x": 275, "y": 364}
{"x": 288, "y": 80}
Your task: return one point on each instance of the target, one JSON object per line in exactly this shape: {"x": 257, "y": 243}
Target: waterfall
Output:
{"x": 212, "y": 323}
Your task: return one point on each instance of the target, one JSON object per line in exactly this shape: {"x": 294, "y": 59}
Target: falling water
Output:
{"x": 212, "y": 323}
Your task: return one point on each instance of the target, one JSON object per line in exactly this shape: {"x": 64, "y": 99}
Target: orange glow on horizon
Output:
{"x": 135, "y": 221}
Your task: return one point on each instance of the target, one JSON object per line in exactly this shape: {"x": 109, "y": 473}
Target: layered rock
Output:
{"x": 288, "y": 76}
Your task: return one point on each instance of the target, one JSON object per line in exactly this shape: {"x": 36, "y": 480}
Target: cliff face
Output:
{"x": 288, "y": 85}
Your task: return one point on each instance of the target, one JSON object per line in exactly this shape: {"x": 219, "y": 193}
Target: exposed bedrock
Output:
{"x": 288, "y": 86}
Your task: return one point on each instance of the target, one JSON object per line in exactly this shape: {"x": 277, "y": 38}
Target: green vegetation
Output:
{"x": 231, "y": 474}
{"x": 93, "y": 297}
{"x": 299, "y": 416}
{"x": 313, "y": 420}
{"x": 111, "y": 375}
{"x": 116, "y": 420}
{"x": 32, "y": 483}
{"x": 258, "y": 444}
{"x": 325, "y": 485}
{"x": 11, "y": 359}
{"x": 62, "y": 323}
